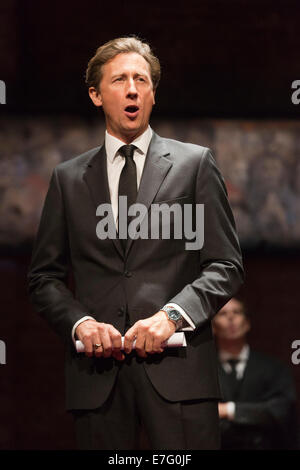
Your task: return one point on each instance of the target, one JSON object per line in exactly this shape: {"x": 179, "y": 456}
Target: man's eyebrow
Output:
{"x": 124, "y": 74}
{"x": 119, "y": 75}
{"x": 142, "y": 74}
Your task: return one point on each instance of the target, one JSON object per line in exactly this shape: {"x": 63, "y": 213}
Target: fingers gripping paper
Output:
{"x": 177, "y": 340}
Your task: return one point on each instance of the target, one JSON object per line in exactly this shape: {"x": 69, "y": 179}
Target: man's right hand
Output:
{"x": 91, "y": 333}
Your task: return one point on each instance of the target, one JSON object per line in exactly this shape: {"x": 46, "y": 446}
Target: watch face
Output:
{"x": 174, "y": 315}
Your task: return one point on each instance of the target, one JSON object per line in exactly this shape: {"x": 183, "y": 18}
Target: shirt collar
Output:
{"x": 112, "y": 144}
{"x": 243, "y": 356}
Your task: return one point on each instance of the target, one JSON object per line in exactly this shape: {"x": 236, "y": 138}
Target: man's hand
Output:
{"x": 149, "y": 334}
{"x": 223, "y": 411}
{"x": 91, "y": 332}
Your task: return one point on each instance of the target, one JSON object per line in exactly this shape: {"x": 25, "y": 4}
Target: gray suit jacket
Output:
{"x": 152, "y": 272}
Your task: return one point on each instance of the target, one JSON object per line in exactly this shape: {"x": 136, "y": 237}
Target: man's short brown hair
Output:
{"x": 117, "y": 46}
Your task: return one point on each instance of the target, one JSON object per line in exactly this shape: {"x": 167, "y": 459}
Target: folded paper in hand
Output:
{"x": 177, "y": 340}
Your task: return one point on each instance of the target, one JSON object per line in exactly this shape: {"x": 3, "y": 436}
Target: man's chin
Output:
{"x": 127, "y": 132}
{"x": 233, "y": 337}
{"x": 133, "y": 131}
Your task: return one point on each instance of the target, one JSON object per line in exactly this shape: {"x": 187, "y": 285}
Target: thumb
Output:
{"x": 131, "y": 333}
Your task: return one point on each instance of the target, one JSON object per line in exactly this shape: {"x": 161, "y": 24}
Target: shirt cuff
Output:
{"x": 184, "y": 315}
{"x": 230, "y": 410}
{"x": 78, "y": 323}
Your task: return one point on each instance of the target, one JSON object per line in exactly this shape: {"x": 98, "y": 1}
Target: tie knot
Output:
{"x": 127, "y": 151}
{"x": 233, "y": 363}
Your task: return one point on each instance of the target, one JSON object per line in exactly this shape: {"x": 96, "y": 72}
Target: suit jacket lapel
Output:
{"x": 96, "y": 179}
{"x": 155, "y": 170}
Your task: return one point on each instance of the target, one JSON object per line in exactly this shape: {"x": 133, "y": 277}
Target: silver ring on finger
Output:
{"x": 97, "y": 346}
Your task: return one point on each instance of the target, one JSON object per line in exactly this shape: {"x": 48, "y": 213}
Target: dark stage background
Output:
{"x": 227, "y": 72}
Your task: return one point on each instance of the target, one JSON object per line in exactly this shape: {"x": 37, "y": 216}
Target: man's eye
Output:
{"x": 141, "y": 79}
{"x": 118, "y": 79}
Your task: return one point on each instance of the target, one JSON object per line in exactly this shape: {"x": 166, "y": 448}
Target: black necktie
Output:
{"x": 234, "y": 382}
{"x": 127, "y": 183}
{"x": 233, "y": 363}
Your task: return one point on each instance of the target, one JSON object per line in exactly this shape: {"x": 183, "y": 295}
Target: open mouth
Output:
{"x": 131, "y": 110}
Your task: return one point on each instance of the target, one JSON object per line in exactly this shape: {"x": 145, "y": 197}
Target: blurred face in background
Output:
{"x": 231, "y": 323}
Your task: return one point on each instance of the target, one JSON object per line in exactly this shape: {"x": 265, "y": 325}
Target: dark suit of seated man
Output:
{"x": 258, "y": 394}
{"x": 143, "y": 287}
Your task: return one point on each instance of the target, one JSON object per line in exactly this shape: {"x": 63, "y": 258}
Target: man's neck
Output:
{"x": 232, "y": 347}
{"x": 127, "y": 139}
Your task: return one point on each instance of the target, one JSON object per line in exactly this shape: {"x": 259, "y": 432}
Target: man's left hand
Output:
{"x": 149, "y": 334}
{"x": 223, "y": 411}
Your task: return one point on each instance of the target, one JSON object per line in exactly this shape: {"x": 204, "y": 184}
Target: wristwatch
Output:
{"x": 174, "y": 316}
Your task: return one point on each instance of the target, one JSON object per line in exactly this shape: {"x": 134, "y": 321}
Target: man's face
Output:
{"x": 230, "y": 323}
{"x": 126, "y": 95}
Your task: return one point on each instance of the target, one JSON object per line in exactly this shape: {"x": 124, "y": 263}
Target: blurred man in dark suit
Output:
{"x": 258, "y": 395}
{"x": 143, "y": 288}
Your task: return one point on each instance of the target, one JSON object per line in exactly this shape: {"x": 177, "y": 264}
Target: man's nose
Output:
{"x": 131, "y": 89}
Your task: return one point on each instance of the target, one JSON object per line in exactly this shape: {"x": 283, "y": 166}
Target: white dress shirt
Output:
{"x": 115, "y": 163}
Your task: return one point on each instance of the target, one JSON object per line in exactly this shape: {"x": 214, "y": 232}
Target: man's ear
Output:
{"x": 154, "y": 91}
{"x": 95, "y": 96}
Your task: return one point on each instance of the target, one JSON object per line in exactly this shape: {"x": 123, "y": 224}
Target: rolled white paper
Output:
{"x": 177, "y": 340}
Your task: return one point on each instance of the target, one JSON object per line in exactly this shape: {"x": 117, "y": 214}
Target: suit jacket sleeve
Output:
{"x": 276, "y": 409}
{"x": 48, "y": 273}
{"x": 220, "y": 261}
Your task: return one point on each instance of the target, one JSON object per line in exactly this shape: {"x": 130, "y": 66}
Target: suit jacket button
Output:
{"x": 121, "y": 311}
{"x": 128, "y": 273}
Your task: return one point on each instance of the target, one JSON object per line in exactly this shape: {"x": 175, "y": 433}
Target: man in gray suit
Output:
{"x": 145, "y": 288}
